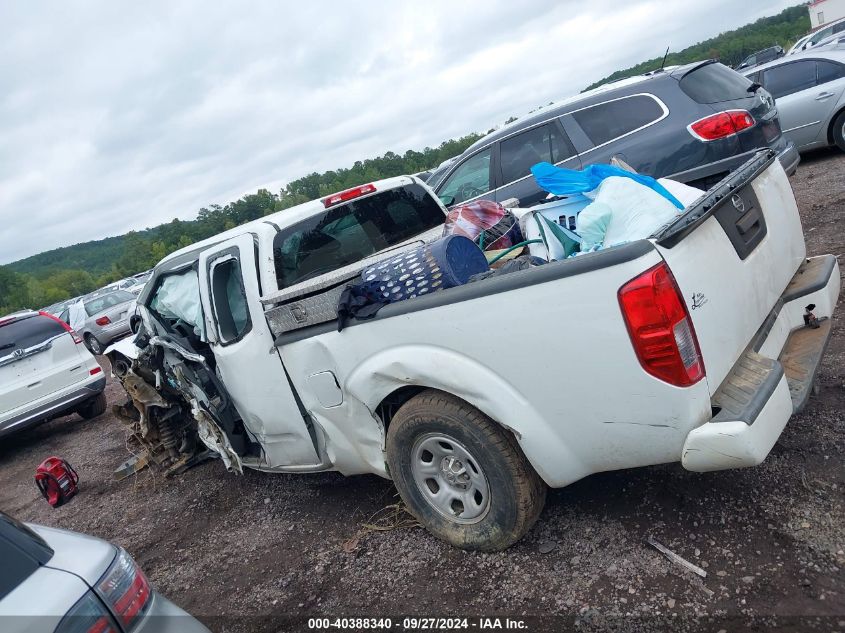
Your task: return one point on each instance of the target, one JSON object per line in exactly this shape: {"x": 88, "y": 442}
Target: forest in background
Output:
{"x": 70, "y": 271}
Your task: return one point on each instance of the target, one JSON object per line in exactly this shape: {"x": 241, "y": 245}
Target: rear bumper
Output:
{"x": 772, "y": 379}
{"x": 62, "y": 403}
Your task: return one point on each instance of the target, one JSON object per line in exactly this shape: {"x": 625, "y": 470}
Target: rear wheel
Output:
{"x": 839, "y": 131}
{"x": 460, "y": 474}
{"x": 93, "y": 407}
{"x": 93, "y": 344}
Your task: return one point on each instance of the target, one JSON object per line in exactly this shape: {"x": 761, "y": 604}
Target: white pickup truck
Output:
{"x": 688, "y": 346}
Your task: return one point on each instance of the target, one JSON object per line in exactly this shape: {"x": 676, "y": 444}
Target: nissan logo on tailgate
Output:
{"x": 738, "y": 203}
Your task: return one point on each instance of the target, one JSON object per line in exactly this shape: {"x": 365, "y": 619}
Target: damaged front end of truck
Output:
{"x": 177, "y": 409}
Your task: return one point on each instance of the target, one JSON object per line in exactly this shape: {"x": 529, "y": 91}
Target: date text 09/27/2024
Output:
{"x": 417, "y": 624}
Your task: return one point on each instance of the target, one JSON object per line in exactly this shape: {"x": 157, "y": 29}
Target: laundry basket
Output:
{"x": 445, "y": 263}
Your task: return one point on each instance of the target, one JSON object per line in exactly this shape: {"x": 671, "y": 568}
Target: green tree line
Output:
{"x": 70, "y": 271}
{"x": 731, "y": 47}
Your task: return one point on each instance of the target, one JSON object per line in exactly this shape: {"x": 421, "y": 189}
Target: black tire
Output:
{"x": 516, "y": 492}
{"x": 93, "y": 407}
{"x": 838, "y": 131}
{"x": 93, "y": 344}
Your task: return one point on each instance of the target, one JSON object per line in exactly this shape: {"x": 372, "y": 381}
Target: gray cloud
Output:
{"x": 116, "y": 116}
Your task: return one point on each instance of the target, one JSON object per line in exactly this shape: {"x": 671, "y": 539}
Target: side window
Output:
{"x": 828, "y": 71}
{"x": 469, "y": 180}
{"x": 606, "y": 121}
{"x": 790, "y": 78}
{"x": 540, "y": 144}
{"x": 229, "y": 300}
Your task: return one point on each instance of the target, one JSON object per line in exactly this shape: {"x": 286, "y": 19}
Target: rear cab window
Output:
{"x": 26, "y": 332}
{"x": 612, "y": 119}
{"x": 714, "y": 83}
{"x": 348, "y": 233}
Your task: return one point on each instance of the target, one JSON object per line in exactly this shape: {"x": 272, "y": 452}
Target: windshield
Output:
{"x": 176, "y": 301}
{"x": 104, "y": 302}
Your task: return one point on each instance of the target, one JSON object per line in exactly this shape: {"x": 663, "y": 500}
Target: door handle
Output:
{"x": 824, "y": 95}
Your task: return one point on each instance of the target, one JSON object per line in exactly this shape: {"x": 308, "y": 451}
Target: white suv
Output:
{"x": 45, "y": 371}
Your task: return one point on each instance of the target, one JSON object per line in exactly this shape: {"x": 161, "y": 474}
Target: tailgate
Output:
{"x": 733, "y": 254}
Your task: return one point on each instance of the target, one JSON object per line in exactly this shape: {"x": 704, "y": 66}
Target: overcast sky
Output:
{"x": 118, "y": 116}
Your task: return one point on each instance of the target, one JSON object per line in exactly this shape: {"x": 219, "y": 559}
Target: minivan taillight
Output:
{"x": 125, "y": 589}
{"x": 76, "y": 338}
{"x": 721, "y": 125}
{"x": 660, "y": 327}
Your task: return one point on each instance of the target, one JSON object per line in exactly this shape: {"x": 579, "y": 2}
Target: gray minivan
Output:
{"x": 692, "y": 123}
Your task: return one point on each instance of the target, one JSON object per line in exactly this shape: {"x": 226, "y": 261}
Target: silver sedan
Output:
{"x": 60, "y": 581}
{"x": 101, "y": 318}
{"x": 809, "y": 91}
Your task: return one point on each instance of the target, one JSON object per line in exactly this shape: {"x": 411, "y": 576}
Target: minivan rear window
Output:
{"x": 714, "y": 83}
{"x": 606, "y": 121}
{"x": 346, "y": 234}
{"x": 26, "y": 332}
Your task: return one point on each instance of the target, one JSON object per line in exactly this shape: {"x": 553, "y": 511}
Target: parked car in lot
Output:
{"x": 691, "y": 123}
{"x": 475, "y": 398}
{"x": 57, "y": 308}
{"x": 59, "y": 581}
{"x": 138, "y": 282}
{"x": 103, "y": 318}
{"x": 761, "y": 57}
{"x": 811, "y": 40}
{"x": 45, "y": 372}
{"x": 809, "y": 90}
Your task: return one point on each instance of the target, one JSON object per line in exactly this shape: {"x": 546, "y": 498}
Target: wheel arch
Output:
{"x": 831, "y": 125}
{"x": 388, "y": 379}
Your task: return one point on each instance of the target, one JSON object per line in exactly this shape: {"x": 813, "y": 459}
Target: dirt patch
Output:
{"x": 230, "y": 549}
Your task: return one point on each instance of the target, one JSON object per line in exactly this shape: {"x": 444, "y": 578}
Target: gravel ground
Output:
{"x": 250, "y": 553}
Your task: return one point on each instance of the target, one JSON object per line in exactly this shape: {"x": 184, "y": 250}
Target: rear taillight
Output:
{"x": 721, "y": 125}
{"x": 95, "y": 371}
{"x": 125, "y": 589}
{"x": 349, "y": 194}
{"x": 89, "y": 615}
{"x": 103, "y": 320}
{"x": 660, "y": 327}
{"x": 76, "y": 338}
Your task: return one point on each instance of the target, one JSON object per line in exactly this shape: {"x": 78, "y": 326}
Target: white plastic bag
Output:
{"x": 685, "y": 194}
{"x": 635, "y": 212}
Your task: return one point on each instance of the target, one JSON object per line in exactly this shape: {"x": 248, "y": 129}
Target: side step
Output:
{"x": 801, "y": 357}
